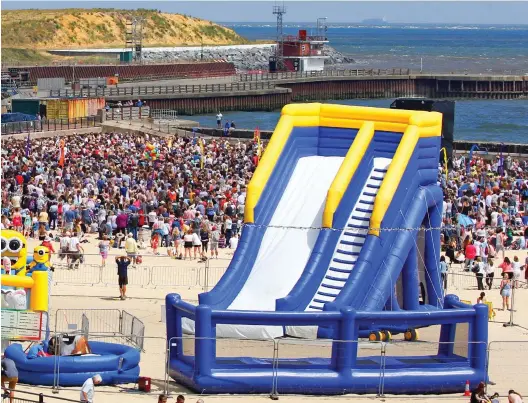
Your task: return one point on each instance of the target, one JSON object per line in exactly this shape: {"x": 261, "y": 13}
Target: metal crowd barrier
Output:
{"x": 144, "y": 276}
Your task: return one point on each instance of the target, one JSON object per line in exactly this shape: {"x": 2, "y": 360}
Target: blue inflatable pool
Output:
{"x": 116, "y": 363}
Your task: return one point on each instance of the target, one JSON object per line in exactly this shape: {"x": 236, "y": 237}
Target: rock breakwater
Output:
{"x": 245, "y": 57}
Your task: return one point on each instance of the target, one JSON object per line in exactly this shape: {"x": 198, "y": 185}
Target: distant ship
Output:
{"x": 375, "y": 21}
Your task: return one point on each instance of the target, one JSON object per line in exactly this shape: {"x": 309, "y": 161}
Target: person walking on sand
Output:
{"x": 104, "y": 246}
{"x": 215, "y": 237}
{"x": 131, "y": 247}
{"x": 122, "y": 272}
{"x": 88, "y": 388}
{"x": 505, "y": 291}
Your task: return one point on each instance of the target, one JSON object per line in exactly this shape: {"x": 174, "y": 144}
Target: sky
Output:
{"x": 425, "y": 11}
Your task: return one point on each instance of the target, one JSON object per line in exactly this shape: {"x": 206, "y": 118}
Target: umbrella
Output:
{"x": 464, "y": 220}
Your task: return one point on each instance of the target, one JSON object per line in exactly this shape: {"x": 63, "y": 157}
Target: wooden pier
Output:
{"x": 272, "y": 91}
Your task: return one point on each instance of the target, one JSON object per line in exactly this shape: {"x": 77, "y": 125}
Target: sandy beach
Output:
{"x": 151, "y": 281}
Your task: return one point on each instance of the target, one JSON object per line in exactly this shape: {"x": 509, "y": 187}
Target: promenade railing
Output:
{"x": 138, "y": 91}
{"x": 47, "y": 125}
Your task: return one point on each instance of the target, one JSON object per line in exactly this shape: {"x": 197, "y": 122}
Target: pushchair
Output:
{"x": 144, "y": 237}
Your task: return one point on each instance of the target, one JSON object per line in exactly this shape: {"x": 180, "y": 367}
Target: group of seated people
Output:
{"x": 479, "y": 395}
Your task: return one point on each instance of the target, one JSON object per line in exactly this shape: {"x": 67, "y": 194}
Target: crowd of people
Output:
{"x": 189, "y": 197}
{"x": 484, "y": 212}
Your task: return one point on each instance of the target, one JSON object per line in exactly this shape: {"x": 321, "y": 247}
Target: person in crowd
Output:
{"x": 471, "y": 253}
{"x": 88, "y": 388}
{"x": 188, "y": 244}
{"x": 9, "y": 377}
{"x": 197, "y": 244}
{"x": 479, "y": 268}
{"x": 131, "y": 248}
{"x": 122, "y": 272}
{"x": 478, "y": 395}
{"x": 514, "y": 397}
{"x": 155, "y": 243}
{"x": 443, "y": 271}
{"x": 215, "y": 237}
{"x": 204, "y": 238}
{"x": 516, "y": 269}
{"x": 482, "y": 298}
{"x": 490, "y": 274}
{"x": 75, "y": 251}
{"x": 233, "y": 242}
{"x": 16, "y": 221}
{"x": 505, "y": 291}
{"x": 506, "y": 267}
{"x": 48, "y": 244}
{"x": 104, "y": 247}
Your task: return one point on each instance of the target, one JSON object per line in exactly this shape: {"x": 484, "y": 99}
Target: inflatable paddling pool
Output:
{"x": 116, "y": 363}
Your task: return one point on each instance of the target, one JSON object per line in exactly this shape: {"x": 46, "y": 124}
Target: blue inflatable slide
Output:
{"x": 341, "y": 242}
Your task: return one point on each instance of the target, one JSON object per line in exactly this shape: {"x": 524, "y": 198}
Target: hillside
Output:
{"x": 92, "y": 28}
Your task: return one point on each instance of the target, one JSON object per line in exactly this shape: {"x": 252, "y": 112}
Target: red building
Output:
{"x": 302, "y": 52}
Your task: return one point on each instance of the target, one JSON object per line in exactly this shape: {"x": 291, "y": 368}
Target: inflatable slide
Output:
{"x": 342, "y": 242}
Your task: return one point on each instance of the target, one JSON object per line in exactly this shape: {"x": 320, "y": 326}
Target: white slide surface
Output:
{"x": 283, "y": 253}
{"x": 348, "y": 247}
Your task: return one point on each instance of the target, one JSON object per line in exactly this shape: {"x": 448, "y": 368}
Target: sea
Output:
{"x": 476, "y": 49}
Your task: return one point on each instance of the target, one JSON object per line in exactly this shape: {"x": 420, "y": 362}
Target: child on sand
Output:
{"x": 154, "y": 243}
{"x": 516, "y": 267}
{"x": 482, "y": 298}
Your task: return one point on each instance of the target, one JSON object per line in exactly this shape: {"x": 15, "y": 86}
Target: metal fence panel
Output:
{"x": 210, "y": 276}
{"x": 132, "y": 329}
{"x": 84, "y": 274}
{"x": 175, "y": 276}
{"x": 139, "y": 275}
{"x": 101, "y": 321}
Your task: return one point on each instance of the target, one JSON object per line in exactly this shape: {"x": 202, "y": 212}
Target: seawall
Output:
{"x": 272, "y": 91}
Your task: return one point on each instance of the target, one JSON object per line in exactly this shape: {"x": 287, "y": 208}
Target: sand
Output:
{"x": 508, "y": 347}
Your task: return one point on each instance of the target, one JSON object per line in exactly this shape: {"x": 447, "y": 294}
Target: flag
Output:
{"x": 259, "y": 148}
{"x": 28, "y": 146}
{"x": 61, "y": 153}
{"x": 202, "y": 153}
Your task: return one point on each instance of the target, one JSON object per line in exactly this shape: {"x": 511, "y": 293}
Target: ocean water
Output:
{"x": 445, "y": 48}
{"x": 483, "y": 120}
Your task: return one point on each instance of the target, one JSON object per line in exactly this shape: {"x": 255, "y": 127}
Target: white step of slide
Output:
{"x": 333, "y": 283}
{"x": 348, "y": 248}
{"x": 352, "y": 239}
{"x": 337, "y": 274}
{"x": 341, "y": 266}
{"x": 325, "y": 298}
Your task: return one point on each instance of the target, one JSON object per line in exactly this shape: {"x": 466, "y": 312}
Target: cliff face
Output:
{"x": 93, "y": 28}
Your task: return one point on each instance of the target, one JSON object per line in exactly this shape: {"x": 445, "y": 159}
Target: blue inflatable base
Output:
{"x": 78, "y": 378}
{"x": 403, "y": 375}
{"x": 116, "y": 363}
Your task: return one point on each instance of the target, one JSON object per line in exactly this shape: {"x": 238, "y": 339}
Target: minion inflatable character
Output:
{"x": 41, "y": 260}
{"x": 14, "y": 247}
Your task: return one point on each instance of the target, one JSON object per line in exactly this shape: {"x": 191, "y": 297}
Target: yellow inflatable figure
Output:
{"x": 36, "y": 279}
{"x": 14, "y": 247}
{"x": 41, "y": 259}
